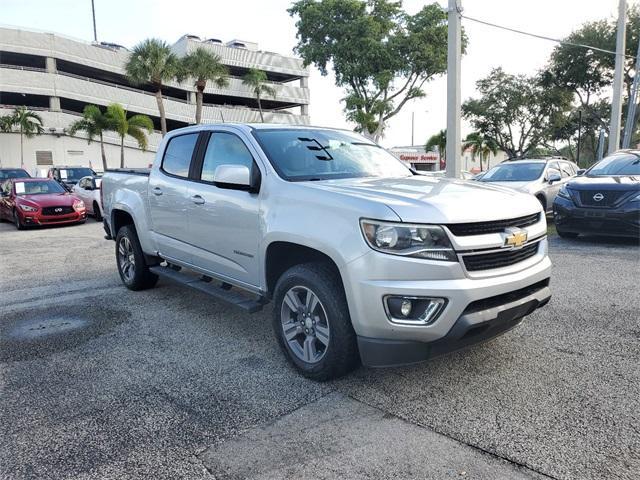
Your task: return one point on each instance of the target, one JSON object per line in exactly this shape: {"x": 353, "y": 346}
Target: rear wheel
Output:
{"x": 312, "y": 324}
{"x": 16, "y": 221}
{"x": 96, "y": 212}
{"x": 132, "y": 267}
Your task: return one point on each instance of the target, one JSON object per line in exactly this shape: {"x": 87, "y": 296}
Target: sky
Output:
{"x": 267, "y": 22}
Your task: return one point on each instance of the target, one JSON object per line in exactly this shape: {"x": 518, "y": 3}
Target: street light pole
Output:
{"x": 616, "y": 103}
{"x": 454, "y": 53}
{"x": 93, "y": 12}
{"x": 579, "y": 132}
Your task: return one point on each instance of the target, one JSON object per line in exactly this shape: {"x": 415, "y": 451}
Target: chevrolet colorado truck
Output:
{"x": 362, "y": 258}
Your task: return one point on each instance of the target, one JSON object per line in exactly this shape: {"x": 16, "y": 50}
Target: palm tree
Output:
{"x": 94, "y": 123}
{"x": 480, "y": 145}
{"x": 203, "y": 66}
{"x": 153, "y": 61}
{"x": 438, "y": 140}
{"x": 257, "y": 80}
{"x": 29, "y": 123}
{"x": 137, "y": 126}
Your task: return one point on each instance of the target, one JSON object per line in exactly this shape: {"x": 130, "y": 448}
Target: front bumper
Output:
{"x": 470, "y": 302}
{"x": 623, "y": 221}
{"x": 481, "y": 321}
{"x": 37, "y": 219}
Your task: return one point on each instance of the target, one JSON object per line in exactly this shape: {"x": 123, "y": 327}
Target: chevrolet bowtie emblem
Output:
{"x": 515, "y": 238}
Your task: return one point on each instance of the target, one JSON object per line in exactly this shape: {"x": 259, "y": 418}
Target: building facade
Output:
{"x": 57, "y": 77}
{"x": 416, "y": 157}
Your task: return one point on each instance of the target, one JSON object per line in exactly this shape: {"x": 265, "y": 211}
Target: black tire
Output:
{"x": 96, "y": 212}
{"x": 17, "y": 222}
{"x": 139, "y": 277}
{"x": 340, "y": 355}
{"x": 566, "y": 234}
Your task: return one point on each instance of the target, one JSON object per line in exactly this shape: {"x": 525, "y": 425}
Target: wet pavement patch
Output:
{"x": 38, "y": 332}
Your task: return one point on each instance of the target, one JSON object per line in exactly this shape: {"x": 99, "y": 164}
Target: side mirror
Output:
{"x": 581, "y": 171}
{"x": 554, "y": 177}
{"x": 237, "y": 177}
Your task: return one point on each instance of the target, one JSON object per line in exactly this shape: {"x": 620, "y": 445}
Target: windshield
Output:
{"x": 13, "y": 173}
{"x": 514, "y": 172}
{"x": 38, "y": 187}
{"x": 74, "y": 174}
{"x": 311, "y": 154}
{"x": 620, "y": 164}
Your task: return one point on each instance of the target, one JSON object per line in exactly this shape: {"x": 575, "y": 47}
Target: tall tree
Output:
{"x": 257, "y": 81}
{"x": 480, "y": 146}
{"x": 152, "y": 61}
{"x": 203, "y": 66}
{"x": 28, "y": 123}
{"x": 438, "y": 140}
{"x": 136, "y": 126}
{"x": 515, "y": 111}
{"x": 94, "y": 123}
{"x": 380, "y": 54}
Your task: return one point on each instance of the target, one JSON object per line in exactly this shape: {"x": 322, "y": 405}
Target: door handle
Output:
{"x": 157, "y": 191}
{"x": 198, "y": 200}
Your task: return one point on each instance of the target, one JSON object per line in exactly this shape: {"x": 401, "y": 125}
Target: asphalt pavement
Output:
{"x": 100, "y": 382}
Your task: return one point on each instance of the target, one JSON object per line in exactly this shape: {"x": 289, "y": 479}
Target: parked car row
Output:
{"x": 62, "y": 198}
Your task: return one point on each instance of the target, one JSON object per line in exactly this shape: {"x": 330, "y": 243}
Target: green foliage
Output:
{"x": 203, "y": 66}
{"x": 137, "y": 126}
{"x": 94, "y": 123}
{"x": 438, "y": 140}
{"x": 481, "y": 146}
{"x": 515, "y": 111}
{"x": 257, "y": 81}
{"x": 28, "y": 122}
{"x": 380, "y": 54}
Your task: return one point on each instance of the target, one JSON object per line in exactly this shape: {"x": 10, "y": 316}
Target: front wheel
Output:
{"x": 312, "y": 324}
{"x": 16, "y": 221}
{"x": 132, "y": 267}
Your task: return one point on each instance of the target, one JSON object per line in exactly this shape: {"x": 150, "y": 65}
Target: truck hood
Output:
{"x": 423, "y": 199}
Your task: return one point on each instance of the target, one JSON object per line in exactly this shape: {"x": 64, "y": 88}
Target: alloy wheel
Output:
{"x": 126, "y": 259}
{"x": 305, "y": 324}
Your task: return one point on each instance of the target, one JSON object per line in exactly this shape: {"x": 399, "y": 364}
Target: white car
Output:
{"x": 88, "y": 189}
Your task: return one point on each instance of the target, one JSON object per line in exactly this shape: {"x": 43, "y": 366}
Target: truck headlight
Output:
{"x": 420, "y": 241}
{"x": 28, "y": 208}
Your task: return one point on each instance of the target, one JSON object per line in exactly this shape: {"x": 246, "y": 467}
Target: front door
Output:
{"x": 168, "y": 198}
{"x": 224, "y": 224}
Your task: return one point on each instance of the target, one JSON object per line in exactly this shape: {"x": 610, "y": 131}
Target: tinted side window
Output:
{"x": 224, "y": 149}
{"x": 567, "y": 169}
{"x": 177, "y": 155}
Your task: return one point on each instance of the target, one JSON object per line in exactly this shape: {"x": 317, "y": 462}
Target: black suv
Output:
{"x": 69, "y": 176}
{"x": 603, "y": 200}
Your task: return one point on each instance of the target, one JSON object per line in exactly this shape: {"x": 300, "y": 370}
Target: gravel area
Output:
{"x": 100, "y": 382}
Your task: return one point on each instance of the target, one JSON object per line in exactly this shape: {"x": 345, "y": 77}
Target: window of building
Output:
{"x": 224, "y": 149}
{"x": 177, "y": 155}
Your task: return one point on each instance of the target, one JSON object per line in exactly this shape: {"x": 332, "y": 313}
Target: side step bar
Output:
{"x": 220, "y": 293}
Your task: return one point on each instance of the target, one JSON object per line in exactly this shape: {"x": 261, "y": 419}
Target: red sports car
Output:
{"x": 39, "y": 201}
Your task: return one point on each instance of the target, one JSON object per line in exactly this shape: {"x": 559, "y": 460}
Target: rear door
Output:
{"x": 168, "y": 197}
{"x": 224, "y": 224}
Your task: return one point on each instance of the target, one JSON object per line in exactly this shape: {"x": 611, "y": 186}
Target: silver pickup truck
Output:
{"x": 363, "y": 259}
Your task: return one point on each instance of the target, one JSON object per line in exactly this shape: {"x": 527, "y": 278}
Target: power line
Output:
{"x": 542, "y": 37}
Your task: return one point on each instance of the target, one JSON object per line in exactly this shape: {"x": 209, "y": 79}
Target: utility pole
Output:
{"x": 93, "y": 12}
{"x": 454, "y": 53}
{"x": 413, "y": 117}
{"x": 579, "y": 132}
{"x": 631, "y": 108}
{"x": 616, "y": 103}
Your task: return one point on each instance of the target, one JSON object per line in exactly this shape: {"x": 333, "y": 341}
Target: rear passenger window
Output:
{"x": 567, "y": 170}
{"x": 224, "y": 149}
{"x": 177, "y": 155}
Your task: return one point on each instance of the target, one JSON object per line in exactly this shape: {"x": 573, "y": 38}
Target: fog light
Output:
{"x": 413, "y": 310}
{"x": 405, "y": 307}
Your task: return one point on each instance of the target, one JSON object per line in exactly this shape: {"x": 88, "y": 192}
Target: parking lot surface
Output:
{"x": 100, "y": 382}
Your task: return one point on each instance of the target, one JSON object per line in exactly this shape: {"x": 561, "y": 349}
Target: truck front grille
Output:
{"x": 57, "y": 210}
{"x": 487, "y": 261}
{"x": 496, "y": 226}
